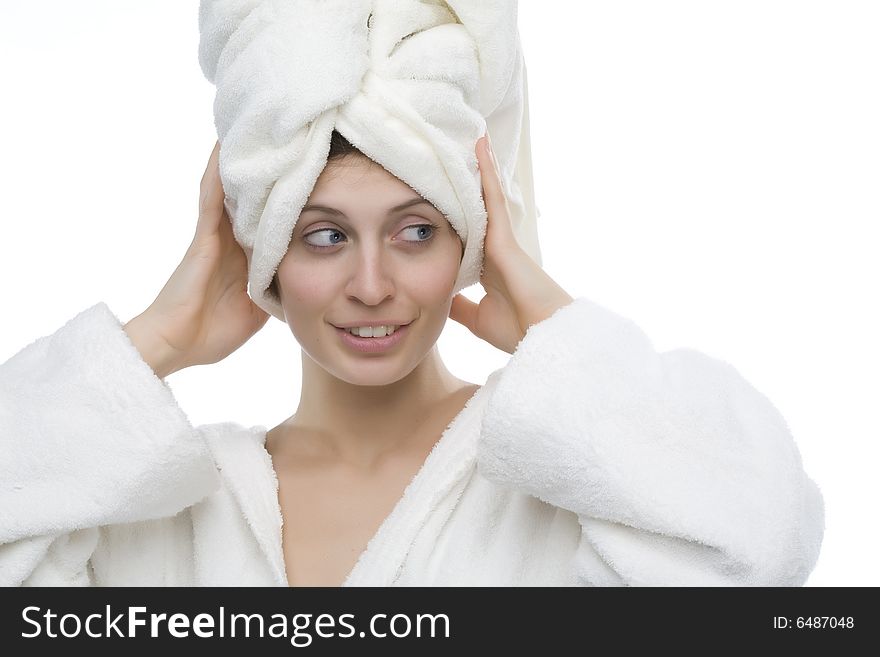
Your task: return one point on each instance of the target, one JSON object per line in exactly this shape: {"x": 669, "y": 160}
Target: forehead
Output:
{"x": 355, "y": 170}
{"x": 357, "y": 181}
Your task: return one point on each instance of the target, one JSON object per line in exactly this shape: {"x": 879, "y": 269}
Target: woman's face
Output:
{"x": 355, "y": 259}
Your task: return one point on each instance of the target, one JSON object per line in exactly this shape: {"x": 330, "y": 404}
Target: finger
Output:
{"x": 493, "y": 189}
{"x": 211, "y": 194}
{"x": 212, "y": 169}
{"x": 489, "y": 175}
{"x": 464, "y": 311}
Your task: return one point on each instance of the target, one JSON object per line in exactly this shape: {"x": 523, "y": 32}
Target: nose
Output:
{"x": 372, "y": 279}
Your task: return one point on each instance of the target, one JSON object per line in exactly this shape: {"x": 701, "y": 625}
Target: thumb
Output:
{"x": 464, "y": 311}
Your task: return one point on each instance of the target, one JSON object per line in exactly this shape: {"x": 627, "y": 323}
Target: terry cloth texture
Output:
{"x": 589, "y": 459}
{"x": 413, "y": 84}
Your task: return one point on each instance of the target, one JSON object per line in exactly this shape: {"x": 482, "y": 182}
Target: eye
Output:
{"x": 420, "y": 233}
{"x": 331, "y": 231}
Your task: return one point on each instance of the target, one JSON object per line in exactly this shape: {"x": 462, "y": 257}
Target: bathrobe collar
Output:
{"x": 447, "y": 466}
{"x": 247, "y": 472}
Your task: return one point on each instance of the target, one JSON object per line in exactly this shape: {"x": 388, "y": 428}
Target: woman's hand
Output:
{"x": 204, "y": 312}
{"x": 518, "y": 292}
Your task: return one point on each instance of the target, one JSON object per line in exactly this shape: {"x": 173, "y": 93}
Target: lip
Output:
{"x": 373, "y": 345}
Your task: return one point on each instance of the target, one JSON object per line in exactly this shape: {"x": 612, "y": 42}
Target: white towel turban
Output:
{"x": 413, "y": 84}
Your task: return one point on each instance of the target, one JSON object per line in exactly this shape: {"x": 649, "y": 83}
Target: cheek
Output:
{"x": 434, "y": 276}
{"x": 304, "y": 284}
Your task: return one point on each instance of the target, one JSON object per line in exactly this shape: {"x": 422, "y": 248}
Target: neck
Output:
{"x": 360, "y": 423}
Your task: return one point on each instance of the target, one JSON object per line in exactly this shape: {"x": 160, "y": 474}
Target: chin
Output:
{"x": 360, "y": 376}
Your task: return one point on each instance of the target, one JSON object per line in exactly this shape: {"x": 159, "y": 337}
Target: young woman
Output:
{"x": 589, "y": 459}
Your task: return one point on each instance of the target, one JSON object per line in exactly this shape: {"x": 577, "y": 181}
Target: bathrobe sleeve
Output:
{"x": 680, "y": 472}
{"x": 89, "y": 437}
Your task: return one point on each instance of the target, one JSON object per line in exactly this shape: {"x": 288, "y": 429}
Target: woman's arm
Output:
{"x": 680, "y": 471}
{"x": 89, "y": 436}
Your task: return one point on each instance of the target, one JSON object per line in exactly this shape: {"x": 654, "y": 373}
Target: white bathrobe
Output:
{"x": 589, "y": 459}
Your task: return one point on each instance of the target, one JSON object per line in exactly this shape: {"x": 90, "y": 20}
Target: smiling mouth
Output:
{"x": 378, "y": 344}
{"x": 374, "y": 331}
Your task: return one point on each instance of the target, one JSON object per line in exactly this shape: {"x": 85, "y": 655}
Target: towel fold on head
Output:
{"x": 413, "y": 84}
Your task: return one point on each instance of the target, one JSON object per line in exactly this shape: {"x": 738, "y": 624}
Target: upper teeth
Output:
{"x": 372, "y": 331}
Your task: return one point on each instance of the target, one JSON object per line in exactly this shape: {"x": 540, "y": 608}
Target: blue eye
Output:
{"x": 430, "y": 227}
{"x": 332, "y": 232}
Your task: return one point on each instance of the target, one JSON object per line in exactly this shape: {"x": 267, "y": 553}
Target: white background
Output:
{"x": 708, "y": 169}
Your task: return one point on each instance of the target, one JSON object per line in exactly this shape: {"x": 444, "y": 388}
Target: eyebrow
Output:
{"x": 406, "y": 204}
